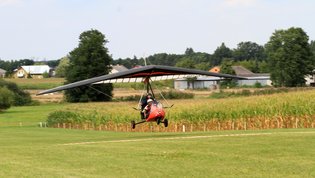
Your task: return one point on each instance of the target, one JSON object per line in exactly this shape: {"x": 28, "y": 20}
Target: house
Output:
{"x": 310, "y": 79}
{"x": 2, "y": 73}
{"x": 213, "y": 82}
{"x": 118, "y": 68}
{"x": 34, "y": 71}
{"x": 252, "y": 78}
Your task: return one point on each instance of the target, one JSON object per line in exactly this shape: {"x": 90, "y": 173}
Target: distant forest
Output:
{"x": 247, "y": 54}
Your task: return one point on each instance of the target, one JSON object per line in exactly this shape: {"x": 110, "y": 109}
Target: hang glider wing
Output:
{"x": 154, "y": 72}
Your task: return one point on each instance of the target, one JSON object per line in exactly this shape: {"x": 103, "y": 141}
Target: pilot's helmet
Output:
{"x": 149, "y": 100}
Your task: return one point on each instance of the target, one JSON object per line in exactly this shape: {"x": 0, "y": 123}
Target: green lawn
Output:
{"x": 37, "y": 84}
{"x": 30, "y": 151}
{"x": 27, "y": 115}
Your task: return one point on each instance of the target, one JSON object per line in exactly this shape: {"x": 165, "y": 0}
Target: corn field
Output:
{"x": 283, "y": 110}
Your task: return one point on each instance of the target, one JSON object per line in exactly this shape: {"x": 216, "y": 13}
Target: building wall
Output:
{"x": 184, "y": 84}
{"x": 310, "y": 80}
{"x": 252, "y": 82}
{"x": 20, "y": 73}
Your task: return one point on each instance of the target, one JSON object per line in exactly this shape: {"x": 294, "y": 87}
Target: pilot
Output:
{"x": 147, "y": 108}
{"x": 144, "y": 103}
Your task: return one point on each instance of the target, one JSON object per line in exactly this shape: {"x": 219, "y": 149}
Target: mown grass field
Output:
{"x": 41, "y": 152}
{"x": 37, "y": 84}
{"x": 30, "y": 151}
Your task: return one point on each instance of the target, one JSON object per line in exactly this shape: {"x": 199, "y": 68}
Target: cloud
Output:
{"x": 240, "y": 3}
{"x": 9, "y": 2}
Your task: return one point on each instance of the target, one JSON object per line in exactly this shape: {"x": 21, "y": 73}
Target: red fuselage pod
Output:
{"x": 156, "y": 112}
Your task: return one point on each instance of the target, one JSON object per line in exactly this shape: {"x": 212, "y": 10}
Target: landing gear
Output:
{"x": 165, "y": 122}
{"x": 133, "y": 124}
{"x": 158, "y": 121}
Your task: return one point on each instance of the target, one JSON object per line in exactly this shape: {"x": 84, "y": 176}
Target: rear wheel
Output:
{"x": 133, "y": 124}
{"x": 165, "y": 122}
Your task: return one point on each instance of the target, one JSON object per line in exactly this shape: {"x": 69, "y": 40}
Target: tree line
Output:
{"x": 288, "y": 56}
{"x": 244, "y": 54}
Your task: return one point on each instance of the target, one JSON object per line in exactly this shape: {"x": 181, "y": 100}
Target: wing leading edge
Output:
{"x": 155, "y": 72}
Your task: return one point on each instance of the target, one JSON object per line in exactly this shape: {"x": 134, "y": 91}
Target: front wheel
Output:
{"x": 133, "y": 124}
{"x": 165, "y": 122}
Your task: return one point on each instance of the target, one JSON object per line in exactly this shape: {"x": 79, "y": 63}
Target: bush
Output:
{"x": 61, "y": 117}
{"x": 20, "y": 97}
{"x": 129, "y": 98}
{"x": 46, "y": 75}
{"x": 173, "y": 94}
{"x": 258, "y": 85}
{"x": 6, "y": 98}
{"x": 223, "y": 94}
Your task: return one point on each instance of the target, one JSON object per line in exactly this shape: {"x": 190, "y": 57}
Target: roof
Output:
{"x": 215, "y": 69}
{"x": 119, "y": 68}
{"x": 158, "y": 72}
{"x": 201, "y": 79}
{"x": 38, "y": 69}
{"x": 242, "y": 71}
{"x": 2, "y": 71}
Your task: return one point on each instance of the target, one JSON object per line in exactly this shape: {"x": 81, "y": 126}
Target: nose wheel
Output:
{"x": 133, "y": 124}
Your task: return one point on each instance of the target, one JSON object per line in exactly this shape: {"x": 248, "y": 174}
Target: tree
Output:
{"x": 89, "y": 59}
{"x": 62, "y": 66}
{"x": 203, "y": 66}
{"x": 219, "y": 54}
{"x": 226, "y": 68}
{"x": 186, "y": 63}
{"x": 289, "y": 57}
{"x": 189, "y": 51}
{"x": 6, "y": 98}
{"x": 312, "y": 46}
{"x": 249, "y": 51}
{"x": 53, "y": 63}
{"x": 20, "y": 97}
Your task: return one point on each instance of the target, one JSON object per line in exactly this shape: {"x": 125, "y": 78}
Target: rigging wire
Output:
{"x": 168, "y": 104}
{"x": 103, "y": 93}
{"x": 142, "y": 93}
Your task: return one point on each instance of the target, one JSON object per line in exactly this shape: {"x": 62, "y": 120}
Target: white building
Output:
{"x": 118, "y": 68}
{"x": 197, "y": 83}
{"x": 252, "y": 78}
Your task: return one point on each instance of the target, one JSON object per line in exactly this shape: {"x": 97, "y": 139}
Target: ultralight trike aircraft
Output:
{"x": 147, "y": 75}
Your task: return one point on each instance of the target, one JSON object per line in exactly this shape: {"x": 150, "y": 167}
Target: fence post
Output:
{"x": 245, "y": 125}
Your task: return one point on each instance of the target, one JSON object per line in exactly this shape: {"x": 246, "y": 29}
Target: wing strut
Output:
{"x": 149, "y": 87}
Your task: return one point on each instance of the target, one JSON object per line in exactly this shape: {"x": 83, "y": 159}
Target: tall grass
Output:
{"x": 257, "y": 111}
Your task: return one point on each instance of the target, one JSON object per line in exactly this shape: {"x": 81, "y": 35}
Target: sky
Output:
{"x": 50, "y": 29}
